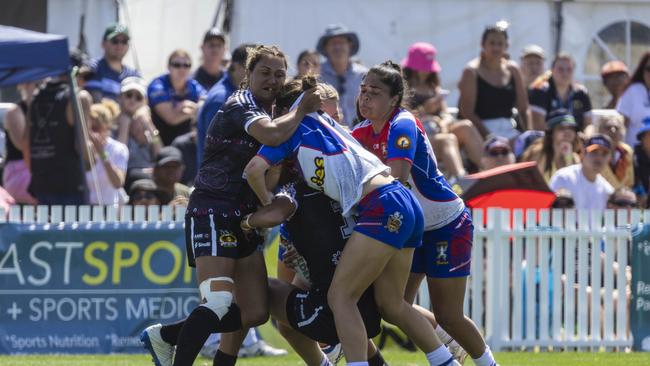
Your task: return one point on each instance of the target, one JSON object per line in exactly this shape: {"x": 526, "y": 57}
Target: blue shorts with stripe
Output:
{"x": 392, "y": 215}
{"x": 447, "y": 251}
{"x": 216, "y": 232}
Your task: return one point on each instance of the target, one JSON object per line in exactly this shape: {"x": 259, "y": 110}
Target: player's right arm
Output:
{"x": 283, "y": 206}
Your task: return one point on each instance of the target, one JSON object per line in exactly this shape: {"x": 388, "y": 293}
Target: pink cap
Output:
{"x": 421, "y": 57}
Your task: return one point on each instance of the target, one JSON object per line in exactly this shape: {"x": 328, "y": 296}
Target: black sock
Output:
{"x": 376, "y": 360}
{"x": 169, "y": 332}
{"x": 224, "y": 359}
{"x": 196, "y": 330}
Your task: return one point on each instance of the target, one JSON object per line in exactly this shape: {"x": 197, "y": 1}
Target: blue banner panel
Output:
{"x": 90, "y": 288}
{"x": 640, "y": 303}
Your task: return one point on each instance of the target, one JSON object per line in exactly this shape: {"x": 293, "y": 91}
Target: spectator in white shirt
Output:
{"x": 589, "y": 189}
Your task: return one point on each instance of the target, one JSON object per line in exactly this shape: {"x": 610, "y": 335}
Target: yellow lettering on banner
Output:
{"x": 187, "y": 275}
{"x": 102, "y": 269}
{"x": 119, "y": 262}
{"x": 149, "y": 274}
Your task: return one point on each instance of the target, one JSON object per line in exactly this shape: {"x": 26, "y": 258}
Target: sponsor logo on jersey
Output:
{"x": 403, "y": 142}
{"x": 336, "y": 257}
{"x": 227, "y": 239}
{"x": 202, "y": 244}
{"x": 394, "y": 222}
{"x": 441, "y": 248}
{"x": 201, "y": 236}
{"x": 319, "y": 174}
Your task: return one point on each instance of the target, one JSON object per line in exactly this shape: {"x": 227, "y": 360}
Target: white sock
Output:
{"x": 358, "y": 363}
{"x": 251, "y": 338}
{"x": 443, "y": 335}
{"x": 325, "y": 361}
{"x": 440, "y": 357}
{"x": 486, "y": 360}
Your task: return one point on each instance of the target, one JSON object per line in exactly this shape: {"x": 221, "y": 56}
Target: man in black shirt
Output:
{"x": 54, "y": 159}
{"x": 212, "y": 51}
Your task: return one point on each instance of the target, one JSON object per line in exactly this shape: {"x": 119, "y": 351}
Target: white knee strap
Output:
{"x": 217, "y": 301}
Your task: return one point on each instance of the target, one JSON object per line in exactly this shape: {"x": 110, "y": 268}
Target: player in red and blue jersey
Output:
{"x": 395, "y": 136}
{"x": 380, "y": 250}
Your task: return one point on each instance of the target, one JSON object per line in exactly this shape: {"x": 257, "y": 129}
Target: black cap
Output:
{"x": 169, "y": 154}
{"x": 143, "y": 185}
{"x": 214, "y": 32}
{"x": 560, "y": 117}
{"x": 240, "y": 54}
{"x": 496, "y": 142}
{"x": 598, "y": 141}
{"x": 115, "y": 30}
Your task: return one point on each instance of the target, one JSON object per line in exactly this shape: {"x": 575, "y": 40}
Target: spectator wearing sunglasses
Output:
{"x": 144, "y": 192}
{"x": 497, "y": 152}
{"x": 109, "y": 71}
{"x": 338, "y": 45}
{"x": 174, "y": 97}
{"x": 622, "y": 198}
{"x": 136, "y": 129}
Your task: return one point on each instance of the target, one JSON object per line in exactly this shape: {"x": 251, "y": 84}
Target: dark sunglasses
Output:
{"x": 623, "y": 203}
{"x": 146, "y": 195}
{"x": 133, "y": 95}
{"x": 117, "y": 41}
{"x": 499, "y": 152}
{"x": 178, "y": 65}
{"x": 563, "y": 202}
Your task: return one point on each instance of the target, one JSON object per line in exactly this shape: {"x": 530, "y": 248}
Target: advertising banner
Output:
{"x": 90, "y": 287}
{"x": 640, "y": 303}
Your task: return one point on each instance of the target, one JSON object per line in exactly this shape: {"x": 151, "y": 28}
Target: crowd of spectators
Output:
{"x": 144, "y": 141}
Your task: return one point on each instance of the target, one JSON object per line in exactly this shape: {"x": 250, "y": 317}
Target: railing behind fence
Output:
{"x": 548, "y": 279}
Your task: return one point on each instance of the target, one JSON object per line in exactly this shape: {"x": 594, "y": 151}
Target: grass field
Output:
{"x": 393, "y": 355}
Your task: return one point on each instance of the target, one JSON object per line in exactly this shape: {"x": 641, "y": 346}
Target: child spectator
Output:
{"x": 110, "y": 157}
{"x": 589, "y": 189}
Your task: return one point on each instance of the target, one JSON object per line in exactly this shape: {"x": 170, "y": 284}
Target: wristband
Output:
{"x": 103, "y": 156}
{"x": 245, "y": 224}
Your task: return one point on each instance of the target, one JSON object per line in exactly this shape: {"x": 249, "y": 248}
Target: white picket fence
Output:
{"x": 533, "y": 284}
{"x": 85, "y": 213}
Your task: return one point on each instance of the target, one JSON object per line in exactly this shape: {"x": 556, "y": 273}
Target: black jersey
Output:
{"x": 317, "y": 231}
{"x": 228, "y": 148}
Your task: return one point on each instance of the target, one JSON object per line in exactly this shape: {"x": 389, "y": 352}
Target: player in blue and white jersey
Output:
{"x": 394, "y": 135}
{"x": 380, "y": 250}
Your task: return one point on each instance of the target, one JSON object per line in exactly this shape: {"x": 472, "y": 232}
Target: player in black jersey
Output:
{"x": 316, "y": 229}
{"x": 214, "y": 239}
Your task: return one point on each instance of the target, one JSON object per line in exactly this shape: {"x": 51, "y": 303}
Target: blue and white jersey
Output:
{"x": 403, "y": 137}
{"x": 329, "y": 158}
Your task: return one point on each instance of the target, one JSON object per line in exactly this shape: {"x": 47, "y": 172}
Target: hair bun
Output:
{"x": 392, "y": 65}
{"x": 309, "y": 82}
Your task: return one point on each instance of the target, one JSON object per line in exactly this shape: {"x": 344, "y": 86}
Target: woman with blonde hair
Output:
{"x": 109, "y": 156}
